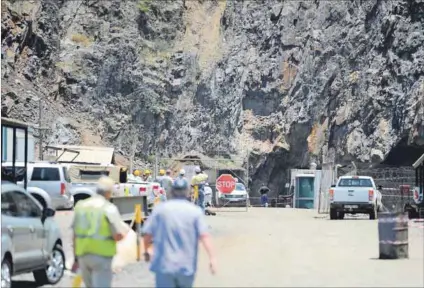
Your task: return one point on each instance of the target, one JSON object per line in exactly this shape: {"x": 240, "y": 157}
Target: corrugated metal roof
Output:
{"x": 87, "y": 154}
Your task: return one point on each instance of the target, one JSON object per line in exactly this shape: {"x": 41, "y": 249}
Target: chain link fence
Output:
{"x": 392, "y": 179}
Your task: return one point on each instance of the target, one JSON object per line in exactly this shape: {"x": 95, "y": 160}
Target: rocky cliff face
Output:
{"x": 289, "y": 82}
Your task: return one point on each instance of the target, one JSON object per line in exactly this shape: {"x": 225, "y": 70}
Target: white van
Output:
{"x": 51, "y": 177}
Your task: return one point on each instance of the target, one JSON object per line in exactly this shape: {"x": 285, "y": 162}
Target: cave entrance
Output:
{"x": 403, "y": 154}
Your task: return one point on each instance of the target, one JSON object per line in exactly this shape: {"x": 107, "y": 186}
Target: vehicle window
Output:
{"x": 92, "y": 175}
{"x": 240, "y": 187}
{"x": 45, "y": 174}
{"x": 26, "y": 206}
{"x": 66, "y": 175}
{"x": 355, "y": 183}
{"x": 8, "y": 205}
{"x": 6, "y": 173}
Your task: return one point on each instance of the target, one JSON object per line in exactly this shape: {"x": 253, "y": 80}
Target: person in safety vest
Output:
{"x": 176, "y": 227}
{"x": 166, "y": 183}
{"x": 97, "y": 226}
{"x": 199, "y": 180}
{"x": 147, "y": 177}
{"x": 161, "y": 175}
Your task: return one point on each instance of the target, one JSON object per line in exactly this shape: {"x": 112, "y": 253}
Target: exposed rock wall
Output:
{"x": 289, "y": 81}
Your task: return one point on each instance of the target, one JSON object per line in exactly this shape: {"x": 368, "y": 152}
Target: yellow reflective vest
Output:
{"x": 195, "y": 181}
{"x": 93, "y": 234}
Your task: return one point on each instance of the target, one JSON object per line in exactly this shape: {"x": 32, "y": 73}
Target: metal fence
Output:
{"x": 391, "y": 179}
{"x": 280, "y": 201}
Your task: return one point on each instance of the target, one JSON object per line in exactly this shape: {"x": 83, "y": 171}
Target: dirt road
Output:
{"x": 286, "y": 247}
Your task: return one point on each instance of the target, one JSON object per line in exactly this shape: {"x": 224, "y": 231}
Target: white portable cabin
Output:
{"x": 305, "y": 184}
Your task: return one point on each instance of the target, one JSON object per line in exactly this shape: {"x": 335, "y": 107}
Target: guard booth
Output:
{"x": 416, "y": 209}
{"x": 305, "y": 186}
{"x": 14, "y": 173}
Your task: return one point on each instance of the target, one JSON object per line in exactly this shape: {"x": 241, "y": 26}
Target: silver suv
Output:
{"x": 51, "y": 177}
{"x": 30, "y": 238}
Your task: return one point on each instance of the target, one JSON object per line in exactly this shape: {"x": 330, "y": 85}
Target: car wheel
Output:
{"x": 6, "y": 274}
{"x": 54, "y": 270}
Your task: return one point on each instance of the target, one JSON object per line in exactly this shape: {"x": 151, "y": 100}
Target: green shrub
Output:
{"x": 144, "y": 5}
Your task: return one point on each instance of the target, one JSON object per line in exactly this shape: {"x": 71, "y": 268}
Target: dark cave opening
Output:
{"x": 403, "y": 154}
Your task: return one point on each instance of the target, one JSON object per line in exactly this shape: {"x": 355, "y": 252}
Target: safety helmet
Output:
{"x": 136, "y": 173}
{"x": 182, "y": 172}
{"x": 197, "y": 169}
{"x": 147, "y": 172}
{"x": 161, "y": 172}
{"x": 106, "y": 184}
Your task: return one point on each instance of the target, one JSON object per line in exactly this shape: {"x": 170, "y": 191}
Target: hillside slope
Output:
{"x": 289, "y": 82}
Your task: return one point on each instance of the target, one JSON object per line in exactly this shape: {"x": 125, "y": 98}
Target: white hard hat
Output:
{"x": 182, "y": 172}
{"x": 206, "y": 184}
{"x": 197, "y": 169}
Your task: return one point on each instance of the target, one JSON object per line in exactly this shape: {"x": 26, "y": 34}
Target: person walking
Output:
{"x": 97, "y": 226}
{"x": 199, "y": 180}
{"x": 167, "y": 183}
{"x": 208, "y": 195}
{"x": 176, "y": 227}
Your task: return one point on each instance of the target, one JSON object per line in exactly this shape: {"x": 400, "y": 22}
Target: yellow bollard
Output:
{"x": 138, "y": 220}
{"x": 126, "y": 191}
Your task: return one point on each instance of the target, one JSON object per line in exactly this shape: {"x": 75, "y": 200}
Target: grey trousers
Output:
{"x": 96, "y": 271}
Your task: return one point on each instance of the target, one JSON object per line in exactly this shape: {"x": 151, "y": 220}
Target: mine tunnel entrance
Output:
{"x": 403, "y": 154}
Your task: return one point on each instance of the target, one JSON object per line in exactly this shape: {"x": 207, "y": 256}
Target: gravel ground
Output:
{"x": 286, "y": 247}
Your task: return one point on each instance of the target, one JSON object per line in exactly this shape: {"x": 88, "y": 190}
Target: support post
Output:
{"x": 156, "y": 166}
{"x": 40, "y": 112}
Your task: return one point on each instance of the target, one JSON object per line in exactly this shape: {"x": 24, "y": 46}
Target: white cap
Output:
{"x": 106, "y": 184}
{"x": 197, "y": 169}
{"x": 182, "y": 172}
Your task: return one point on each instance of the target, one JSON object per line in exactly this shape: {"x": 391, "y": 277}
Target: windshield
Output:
{"x": 240, "y": 187}
{"x": 355, "y": 182}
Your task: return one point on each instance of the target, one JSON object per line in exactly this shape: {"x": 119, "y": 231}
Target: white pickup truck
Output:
{"x": 354, "y": 194}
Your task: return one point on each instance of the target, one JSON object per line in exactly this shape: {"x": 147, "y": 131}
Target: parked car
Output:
{"x": 50, "y": 177}
{"x": 239, "y": 194}
{"x": 355, "y": 194}
{"x": 30, "y": 238}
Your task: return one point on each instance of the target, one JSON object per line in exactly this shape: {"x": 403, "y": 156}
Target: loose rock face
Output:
{"x": 290, "y": 82}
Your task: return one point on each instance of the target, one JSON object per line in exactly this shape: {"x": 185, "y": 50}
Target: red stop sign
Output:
{"x": 225, "y": 183}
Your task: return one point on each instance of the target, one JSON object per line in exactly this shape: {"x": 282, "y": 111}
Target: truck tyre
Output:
{"x": 333, "y": 214}
{"x": 373, "y": 213}
{"x": 341, "y": 215}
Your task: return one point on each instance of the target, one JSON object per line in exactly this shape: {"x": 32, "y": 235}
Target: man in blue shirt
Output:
{"x": 176, "y": 227}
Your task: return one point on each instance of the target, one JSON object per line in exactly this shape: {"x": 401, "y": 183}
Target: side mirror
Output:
{"x": 47, "y": 212}
{"x": 334, "y": 185}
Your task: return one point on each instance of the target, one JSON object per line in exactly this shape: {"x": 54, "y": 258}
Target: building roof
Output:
{"x": 14, "y": 123}
{"x": 84, "y": 154}
{"x": 418, "y": 162}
